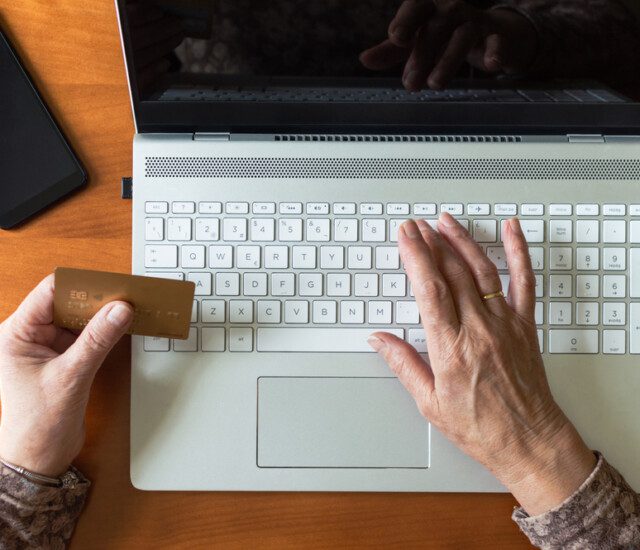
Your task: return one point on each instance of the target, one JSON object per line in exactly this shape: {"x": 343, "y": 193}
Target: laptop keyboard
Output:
{"x": 320, "y": 277}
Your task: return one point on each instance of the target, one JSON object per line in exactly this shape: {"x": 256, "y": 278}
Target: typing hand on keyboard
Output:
{"x": 499, "y": 40}
{"x": 484, "y": 385}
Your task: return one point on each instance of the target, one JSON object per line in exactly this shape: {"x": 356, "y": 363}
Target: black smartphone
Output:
{"x": 37, "y": 165}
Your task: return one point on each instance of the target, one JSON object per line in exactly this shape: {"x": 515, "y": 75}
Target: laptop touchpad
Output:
{"x": 311, "y": 422}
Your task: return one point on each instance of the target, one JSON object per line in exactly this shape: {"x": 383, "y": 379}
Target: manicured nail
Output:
{"x": 120, "y": 315}
{"x": 411, "y": 229}
{"x": 447, "y": 220}
{"x": 375, "y": 342}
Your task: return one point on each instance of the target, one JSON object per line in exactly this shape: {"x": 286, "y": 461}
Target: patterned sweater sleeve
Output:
{"x": 604, "y": 513}
{"x": 35, "y": 516}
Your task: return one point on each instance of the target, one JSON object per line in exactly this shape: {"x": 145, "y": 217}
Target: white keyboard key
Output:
{"x": 614, "y": 313}
{"x": 154, "y": 229}
{"x": 343, "y": 208}
{"x": 352, "y": 312}
{"x": 634, "y": 232}
{"x": 614, "y": 210}
{"x": 290, "y": 208}
{"x": 166, "y": 275}
{"x": 240, "y": 311}
{"x": 202, "y": 282}
{"x": 560, "y": 210}
{"x": 371, "y": 209}
{"x": 536, "y": 253}
{"x": 394, "y": 284}
{"x": 387, "y": 257}
{"x": 331, "y": 257}
{"x": 320, "y": 340}
{"x": 573, "y": 341}
{"x": 318, "y": 230}
{"x": 194, "y": 312}
{"x": 497, "y": 255}
{"x": 539, "y": 286}
{"x": 394, "y": 225}
{"x": 560, "y": 231}
{"x": 485, "y": 231}
{"x": 345, "y": 230}
{"x": 161, "y": 255}
{"x": 254, "y": 284}
{"x": 190, "y": 344}
{"x": 365, "y": 284}
{"x": 505, "y": 280}
{"x": 213, "y": 311}
{"x": 614, "y": 286}
{"x": 237, "y": 208}
{"x": 207, "y": 229}
{"x": 505, "y": 209}
{"x": 614, "y": 231}
{"x": 155, "y": 343}
{"x": 213, "y": 338}
{"x": 263, "y": 230}
{"x": 220, "y": 256}
{"x": 283, "y": 284}
{"x": 210, "y": 208}
{"x": 296, "y": 312}
{"x": 264, "y": 208}
{"x": 325, "y": 312}
{"x": 587, "y": 231}
{"x": 560, "y": 286}
{"x": 418, "y": 339}
{"x": 241, "y": 339}
{"x": 374, "y": 230}
{"x": 192, "y": 256}
{"x": 310, "y": 284}
{"x": 477, "y": 209}
{"x": 541, "y": 340}
{"x": 318, "y": 208}
{"x": 634, "y": 272}
{"x": 539, "y": 313}
{"x": 614, "y": 259}
{"x": 634, "y": 210}
{"x": 228, "y": 284}
{"x": 338, "y": 284}
{"x": 560, "y": 313}
{"x": 587, "y": 286}
{"x": 407, "y": 313}
{"x": 303, "y": 257}
{"x": 587, "y": 210}
{"x": 532, "y": 210}
{"x": 359, "y": 257}
{"x": 290, "y": 230}
{"x": 424, "y": 209}
{"x": 379, "y": 313}
{"x": 234, "y": 229}
{"x": 248, "y": 257}
{"x": 588, "y": 259}
{"x": 455, "y": 209}
{"x": 560, "y": 259}
{"x": 587, "y": 313}
{"x": 614, "y": 342}
{"x": 183, "y": 208}
{"x": 398, "y": 209}
{"x": 634, "y": 328}
{"x": 533, "y": 230}
{"x": 179, "y": 229}
{"x": 156, "y": 207}
{"x": 269, "y": 311}
{"x": 276, "y": 257}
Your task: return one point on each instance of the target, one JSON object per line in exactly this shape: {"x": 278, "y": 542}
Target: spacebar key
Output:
{"x": 319, "y": 340}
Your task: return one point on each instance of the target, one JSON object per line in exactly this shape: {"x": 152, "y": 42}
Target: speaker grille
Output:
{"x": 397, "y": 168}
{"x": 398, "y": 138}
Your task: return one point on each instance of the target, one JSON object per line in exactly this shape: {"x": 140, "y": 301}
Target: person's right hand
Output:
{"x": 484, "y": 385}
{"x": 434, "y": 37}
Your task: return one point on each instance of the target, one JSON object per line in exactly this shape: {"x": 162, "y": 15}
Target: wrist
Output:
{"x": 24, "y": 453}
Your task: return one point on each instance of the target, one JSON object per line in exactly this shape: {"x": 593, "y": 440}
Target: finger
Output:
{"x": 493, "y": 60}
{"x": 462, "y": 41}
{"x": 411, "y": 15}
{"x": 99, "y": 336}
{"x": 62, "y": 339}
{"x": 383, "y": 56}
{"x": 485, "y": 275}
{"x": 429, "y": 286}
{"x": 413, "y": 372}
{"x": 522, "y": 287}
{"x": 463, "y": 292}
{"x": 37, "y": 307}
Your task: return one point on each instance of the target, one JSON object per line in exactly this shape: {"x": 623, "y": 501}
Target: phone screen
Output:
{"x": 37, "y": 166}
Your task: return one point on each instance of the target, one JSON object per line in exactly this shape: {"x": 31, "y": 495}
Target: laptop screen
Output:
{"x": 363, "y": 65}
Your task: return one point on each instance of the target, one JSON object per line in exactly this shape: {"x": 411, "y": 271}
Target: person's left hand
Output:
{"x": 45, "y": 378}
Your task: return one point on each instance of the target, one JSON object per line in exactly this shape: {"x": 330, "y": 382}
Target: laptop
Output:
{"x": 273, "y": 170}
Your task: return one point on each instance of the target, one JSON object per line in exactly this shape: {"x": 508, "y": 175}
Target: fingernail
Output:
{"x": 447, "y": 220}
{"x": 401, "y": 33}
{"x": 375, "y": 343}
{"x": 515, "y": 226}
{"x": 120, "y": 315}
{"x": 411, "y": 229}
{"x": 411, "y": 79}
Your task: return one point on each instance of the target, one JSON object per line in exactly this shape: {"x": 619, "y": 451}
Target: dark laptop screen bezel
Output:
{"x": 385, "y": 118}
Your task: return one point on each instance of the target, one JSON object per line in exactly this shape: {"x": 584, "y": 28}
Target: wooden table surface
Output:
{"x": 72, "y": 50}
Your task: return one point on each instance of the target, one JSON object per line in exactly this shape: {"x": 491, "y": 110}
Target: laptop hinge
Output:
{"x": 586, "y": 138}
{"x": 211, "y": 136}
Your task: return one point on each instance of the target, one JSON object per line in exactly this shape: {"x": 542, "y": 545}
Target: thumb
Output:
{"x": 100, "y": 335}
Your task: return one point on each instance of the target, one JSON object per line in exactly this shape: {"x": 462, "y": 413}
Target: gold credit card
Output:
{"x": 162, "y": 306}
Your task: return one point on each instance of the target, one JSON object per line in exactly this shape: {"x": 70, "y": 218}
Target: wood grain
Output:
{"x": 72, "y": 50}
